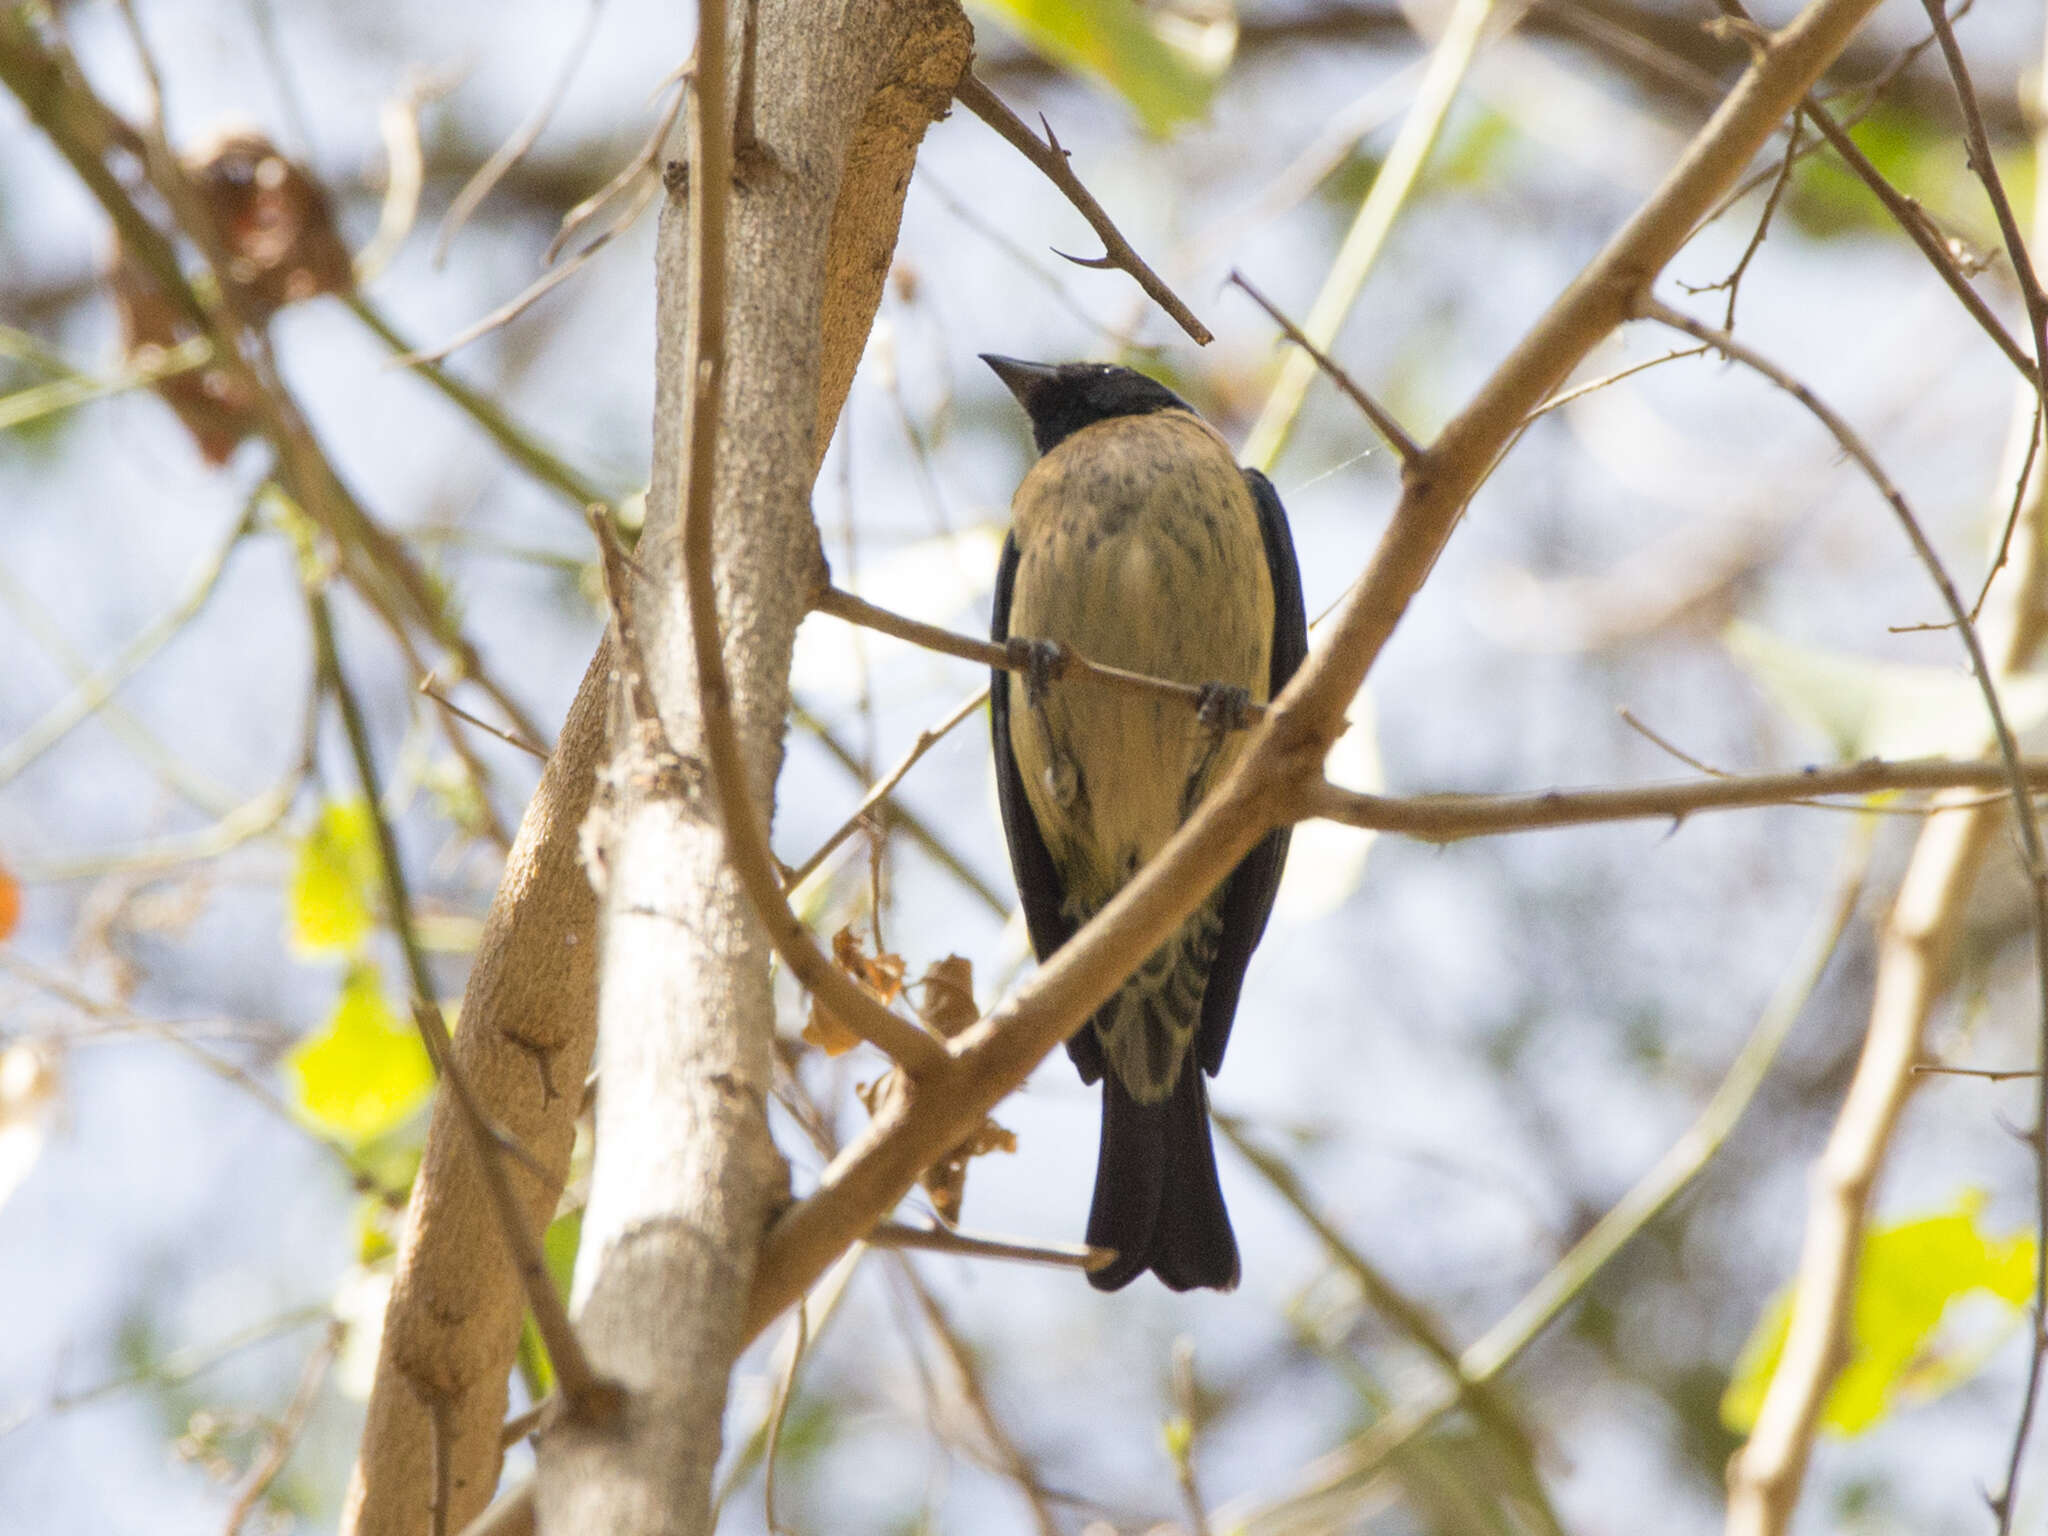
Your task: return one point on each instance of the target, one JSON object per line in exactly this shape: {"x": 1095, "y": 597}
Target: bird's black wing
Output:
{"x": 1248, "y": 896}
{"x": 1038, "y": 883}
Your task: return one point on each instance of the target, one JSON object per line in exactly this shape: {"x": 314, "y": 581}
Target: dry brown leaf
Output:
{"x": 880, "y": 974}
{"x": 948, "y": 1007}
{"x": 276, "y": 232}
{"x": 273, "y": 222}
{"x": 825, "y": 1030}
{"x": 946, "y": 1180}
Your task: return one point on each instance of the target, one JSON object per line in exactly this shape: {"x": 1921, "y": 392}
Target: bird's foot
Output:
{"x": 1040, "y": 661}
{"x": 1223, "y": 707}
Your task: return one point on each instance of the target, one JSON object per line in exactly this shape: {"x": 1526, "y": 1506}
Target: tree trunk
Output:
{"x": 685, "y": 1178}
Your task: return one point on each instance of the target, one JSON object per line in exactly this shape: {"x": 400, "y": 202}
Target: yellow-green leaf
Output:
{"x": 334, "y": 878}
{"x": 1164, "y": 65}
{"x": 559, "y": 1243}
{"x": 1908, "y": 1275}
{"x": 366, "y": 1070}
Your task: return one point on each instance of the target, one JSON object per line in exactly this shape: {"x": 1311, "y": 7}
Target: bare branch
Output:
{"x": 1383, "y": 421}
{"x": 588, "y": 1398}
{"x": 1487, "y": 1357}
{"x": 283, "y": 1437}
{"x": 1450, "y": 818}
{"x": 1398, "y": 176}
{"x": 896, "y": 1234}
{"x": 1051, "y": 159}
{"x": 524, "y": 137}
{"x": 1283, "y": 760}
{"x": 915, "y": 1049}
{"x": 1013, "y": 657}
{"x": 884, "y": 787}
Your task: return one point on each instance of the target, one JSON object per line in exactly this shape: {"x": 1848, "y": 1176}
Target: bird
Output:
{"x": 1136, "y": 540}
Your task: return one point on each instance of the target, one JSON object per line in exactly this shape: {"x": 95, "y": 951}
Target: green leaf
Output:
{"x": 1166, "y": 66}
{"x": 366, "y": 1071}
{"x": 559, "y": 1243}
{"x": 1899, "y": 1351}
{"x": 331, "y": 903}
{"x": 1876, "y": 709}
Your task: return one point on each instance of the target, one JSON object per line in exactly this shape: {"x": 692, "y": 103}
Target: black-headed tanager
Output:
{"x": 1138, "y": 541}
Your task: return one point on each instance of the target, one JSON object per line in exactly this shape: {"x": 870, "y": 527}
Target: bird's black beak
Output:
{"x": 1022, "y": 379}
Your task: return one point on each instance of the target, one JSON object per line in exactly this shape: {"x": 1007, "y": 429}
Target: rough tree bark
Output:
{"x": 686, "y": 1177}
{"x": 840, "y": 103}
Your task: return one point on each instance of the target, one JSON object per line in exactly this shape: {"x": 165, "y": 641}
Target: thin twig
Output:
{"x": 588, "y": 1397}
{"x": 152, "y": 365}
{"x": 1732, "y": 283}
{"x": 675, "y": 86}
{"x": 898, "y": 817}
{"x": 1488, "y": 1408}
{"x": 1013, "y": 657}
{"x": 283, "y": 1437}
{"x": 430, "y": 685}
{"x": 1911, "y": 218}
{"x": 1382, "y": 419}
{"x": 928, "y": 738}
{"x": 361, "y": 1174}
{"x": 785, "y": 1391}
{"x": 2012, "y": 514}
{"x": 1986, "y": 167}
{"x": 45, "y": 629}
{"x": 1009, "y": 1457}
{"x": 1483, "y": 1361}
{"x": 518, "y": 444}
{"x": 919, "y": 1052}
{"x": 897, "y": 1234}
{"x": 1398, "y": 176}
{"x": 92, "y": 693}
{"x": 514, "y": 149}
{"x": 1449, "y": 818}
{"x": 1763, "y": 1487}
{"x": 1051, "y": 159}
{"x": 405, "y": 177}
{"x": 1593, "y": 386}
{"x": 1853, "y": 445}
{"x": 173, "y": 1369}
{"x": 1990, "y": 1074}
{"x": 535, "y": 291}
{"x": 1630, "y": 719}
{"x": 1180, "y": 1435}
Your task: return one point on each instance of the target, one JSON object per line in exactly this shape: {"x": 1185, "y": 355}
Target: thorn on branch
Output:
{"x": 1093, "y": 263}
{"x": 1051, "y": 158}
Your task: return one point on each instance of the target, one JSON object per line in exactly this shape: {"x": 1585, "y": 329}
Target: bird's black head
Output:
{"x": 1063, "y": 398}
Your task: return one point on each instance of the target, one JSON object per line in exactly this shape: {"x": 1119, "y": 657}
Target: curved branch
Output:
{"x": 1283, "y": 760}
{"x": 1051, "y": 158}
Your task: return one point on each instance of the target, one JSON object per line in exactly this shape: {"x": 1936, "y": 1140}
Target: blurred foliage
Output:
{"x": 330, "y": 904}
{"x": 366, "y": 1071}
{"x": 1868, "y": 708}
{"x": 1921, "y": 156}
{"x": 1164, "y": 65}
{"x": 1908, "y": 1277}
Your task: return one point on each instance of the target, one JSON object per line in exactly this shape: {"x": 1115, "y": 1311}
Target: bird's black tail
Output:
{"x": 1157, "y": 1199}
